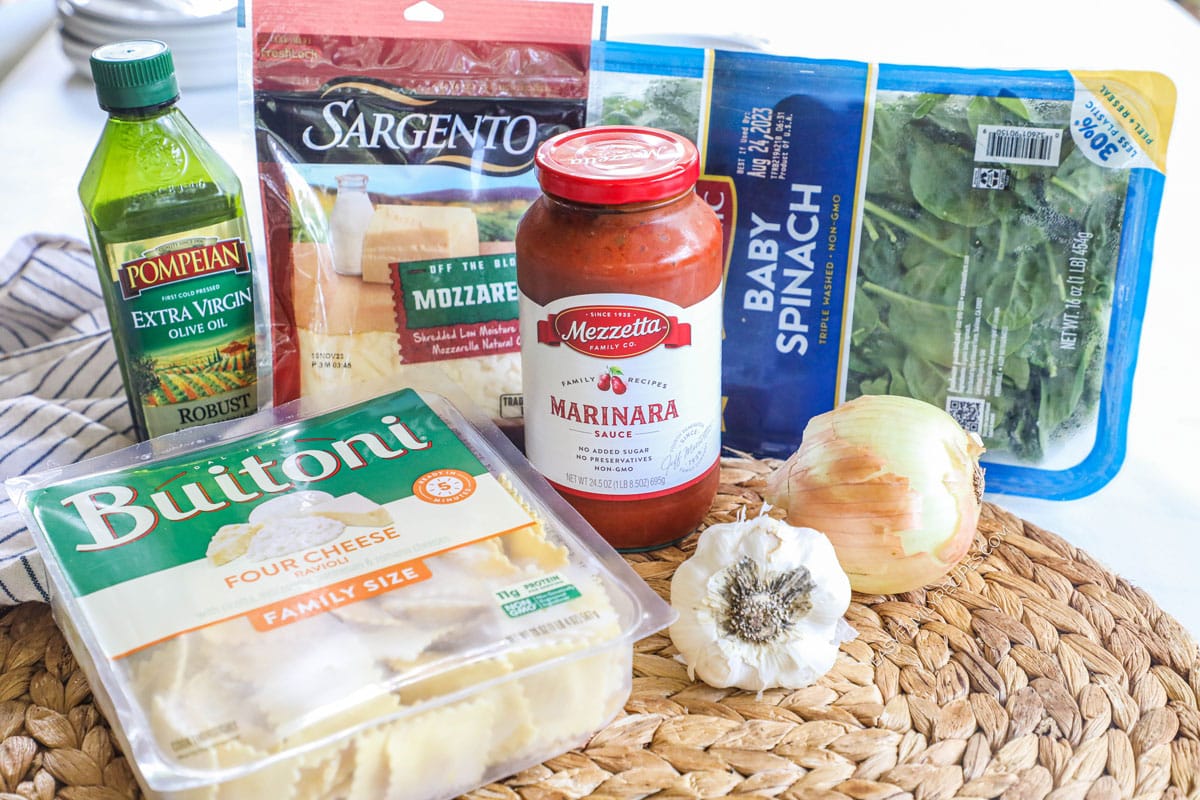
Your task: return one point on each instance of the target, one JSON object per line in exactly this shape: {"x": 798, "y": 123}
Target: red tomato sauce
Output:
{"x": 666, "y": 248}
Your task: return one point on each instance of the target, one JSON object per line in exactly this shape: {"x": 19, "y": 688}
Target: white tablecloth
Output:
{"x": 61, "y": 397}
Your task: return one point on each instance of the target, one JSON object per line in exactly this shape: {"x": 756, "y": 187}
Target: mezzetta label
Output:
{"x": 618, "y": 392}
{"x": 613, "y": 331}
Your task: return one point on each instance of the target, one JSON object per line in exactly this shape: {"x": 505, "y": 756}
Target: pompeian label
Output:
{"x": 351, "y": 120}
{"x": 457, "y": 307}
{"x": 186, "y": 325}
{"x": 613, "y": 331}
{"x": 179, "y": 261}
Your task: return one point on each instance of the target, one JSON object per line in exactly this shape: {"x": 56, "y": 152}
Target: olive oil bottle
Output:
{"x": 168, "y": 232}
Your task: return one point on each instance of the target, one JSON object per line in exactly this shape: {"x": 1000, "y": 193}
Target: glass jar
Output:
{"x": 348, "y": 222}
{"x": 619, "y": 272}
{"x": 166, "y": 219}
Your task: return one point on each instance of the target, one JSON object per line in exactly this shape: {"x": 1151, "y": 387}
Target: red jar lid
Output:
{"x": 611, "y": 165}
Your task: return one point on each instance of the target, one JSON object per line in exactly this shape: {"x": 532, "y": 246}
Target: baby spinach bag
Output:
{"x": 978, "y": 239}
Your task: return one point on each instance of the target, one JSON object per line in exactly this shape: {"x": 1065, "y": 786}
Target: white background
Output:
{"x": 1143, "y": 525}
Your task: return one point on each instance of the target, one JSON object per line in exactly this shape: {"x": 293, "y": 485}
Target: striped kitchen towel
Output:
{"x": 61, "y": 396}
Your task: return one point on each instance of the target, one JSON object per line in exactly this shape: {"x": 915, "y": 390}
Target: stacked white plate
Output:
{"x": 200, "y": 33}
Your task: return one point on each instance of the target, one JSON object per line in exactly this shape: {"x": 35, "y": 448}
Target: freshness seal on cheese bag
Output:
{"x": 978, "y": 239}
{"x": 395, "y": 145}
{"x": 377, "y": 601}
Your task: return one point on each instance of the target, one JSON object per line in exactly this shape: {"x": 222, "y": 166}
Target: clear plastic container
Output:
{"x": 379, "y": 601}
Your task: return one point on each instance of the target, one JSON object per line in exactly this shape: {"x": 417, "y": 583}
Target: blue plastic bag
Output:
{"x": 979, "y": 239}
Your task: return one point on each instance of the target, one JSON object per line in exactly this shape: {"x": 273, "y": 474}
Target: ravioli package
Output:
{"x": 395, "y": 145}
{"x": 378, "y": 601}
{"x": 978, "y": 239}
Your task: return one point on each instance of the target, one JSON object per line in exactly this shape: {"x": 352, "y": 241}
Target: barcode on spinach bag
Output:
{"x": 979, "y": 239}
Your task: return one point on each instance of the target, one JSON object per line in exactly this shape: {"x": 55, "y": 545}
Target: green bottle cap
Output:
{"x": 134, "y": 74}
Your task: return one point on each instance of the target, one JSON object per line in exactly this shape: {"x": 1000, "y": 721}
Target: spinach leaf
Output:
{"x": 918, "y": 321}
{"x": 997, "y": 294}
{"x": 933, "y": 170}
{"x": 672, "y": 104}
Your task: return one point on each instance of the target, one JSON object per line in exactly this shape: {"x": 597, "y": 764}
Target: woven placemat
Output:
{"x": 1030, "y": 672}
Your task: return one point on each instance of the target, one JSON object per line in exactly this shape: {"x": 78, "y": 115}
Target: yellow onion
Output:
{"x": 895, "y": 484}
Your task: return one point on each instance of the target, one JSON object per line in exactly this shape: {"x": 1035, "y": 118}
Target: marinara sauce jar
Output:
{"x": 619, "y": 268}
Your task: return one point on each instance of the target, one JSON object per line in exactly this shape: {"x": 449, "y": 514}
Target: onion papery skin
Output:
{"x": 894, "y": 483}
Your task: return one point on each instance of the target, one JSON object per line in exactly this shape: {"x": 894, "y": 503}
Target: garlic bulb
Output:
{"x": 760, "y": 605}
